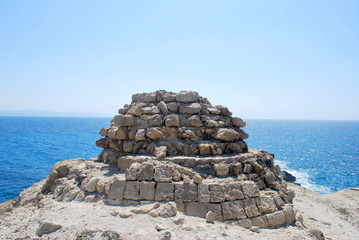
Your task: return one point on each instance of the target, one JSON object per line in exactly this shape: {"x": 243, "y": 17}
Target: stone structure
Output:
{"x": 168, "y": 147}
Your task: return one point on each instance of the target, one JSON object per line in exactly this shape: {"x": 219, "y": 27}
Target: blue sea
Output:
{"x": 323, "y": 155}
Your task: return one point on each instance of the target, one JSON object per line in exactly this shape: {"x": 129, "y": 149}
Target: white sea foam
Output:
{"x": 303, "y": 178}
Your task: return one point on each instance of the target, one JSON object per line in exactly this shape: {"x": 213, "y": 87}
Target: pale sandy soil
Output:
{"x": 335, "y": 215}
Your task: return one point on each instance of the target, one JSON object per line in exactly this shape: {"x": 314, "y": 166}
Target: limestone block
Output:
{"x": 124, "y": 120}
{"x": 277, "y": 199}
{"x": 203, "y": 193}
{"x": 160, "y": 152}
{"x": 172, "y": 106}
{"x": 154, "y": 133}
{"x": 112, "y": 132}
{"x": 256, "y": 166}
{"x": 224, "y": 110}
{"x": 216, "y": 192}
{"x": 211, "y": 123}
{"x": 288, "y": 213}
{"x": 104, "y": 131}
{"x": 127, "y": 146}
{"x": 247, "y": 168}
{"x": 169, "y": 97}
{"x": 269, "y": 177}
{"x": 214, "y": 110}
{"x": 80, "y": 197}
{"x": 187, "y": 96}
{"x": 176, "y": 175}
{"x": 233, "y": 210}
{"x": 91, "y": 185}
{"x": 226, "y": 134}
{"x": 155, "y": 120}
{"x": 194, "y": 121}
{"x": 222, "y": 169}
{"x": 193, "y": 108}
{"x": 117, "y": 189}
{"x": 151, "y": 110}
{"x": 276, "y": 219}
{"x": 122, "y": 133}
{"x": 238, "y": 122}
{"x": 187, "y": 192}
{"x": 167, "y": 210}
{"x": 290, "y": 195}
{"x": 196, "y": 209}
{"x": 163, "y": 107}
{"x": 145, "y": 172}
{"x": 216, "y": 209}
{"x": 114, "y": 144}
{"x": 188, "y": 134}
{"x": 163, "y": 173}
{"x": 150, "y": 97}
{"x": 235, "y": 169}
{"x": 250, "y": 189}
{"x": 164, "y": 191}
{"x": 250, "y": 207}
{"x": 245, "y": 223}
{"x": 210, "y": 217}
{"x": 260, "y": 221}
{"x": 135, "y": 110}
{"x": 131, "y": 172}
{"x": 147, "y": 190}
{"x": 102, "y": 143}
{"x": 140, "y": 135}
{"x": 204, "y": 149}
{"x": 172, "y": 120}
{"x": 266, "y": 203}
{"x": 197, "y": 179}
{"x": 132, "y": 133}
{"x": 100, "y": 187}
{"x": 132, "y": 190}
{"x": 124, "y": 163}
{"x": 233, "y": 191}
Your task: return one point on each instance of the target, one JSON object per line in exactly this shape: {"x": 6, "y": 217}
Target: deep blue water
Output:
{"x": 323, "y": 155}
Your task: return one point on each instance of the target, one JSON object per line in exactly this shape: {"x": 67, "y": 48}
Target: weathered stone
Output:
{"x": 212, "y": 123}
{"x": 250, "y": 189}
{"x": 197, "y": 179}
{"x": 155, "y": 120}
{"x": 187, "y": 96}
{"x": 117, "y": 189}
{"x": 266, "y": 203}
{"x": 163, "y": 107}
{"x": 147, "y": 190}
{"x": 172, "y": 106}
{"x": 216, "y": 192}
{"x": 122, "y": 133}
{"x": 169, "y": 97}
{"x": 131, "y": 172}
{"x": 250, "y": 207}
{"x": 288, "y": 213}
{"x": 204, "y": 149}
{"x": 210, "y": 217}
{"x": 203, "y": 193}
{"x": 193, "y": 108}
{"x": 124, "y": 120}
{"x": 167, "y": 210}
{"x": 216, "y": 208}
{"x": 196, "y": 209}
{"x": 233, "y": 191}
{"x": 132, "y": 190}
{"x": 276, "y": 219}
{"x": 154, "y": 133}
{"x": 104, "y": 131}
{"x": 167, "y": 235}
{"x": 222, "y": 170}
{"x": 233, "y": 210}
{"x": 135, "y": 110}
{"x": 245, "y": 223}
{"x": 194, "y": 121}
{"x": 247, "y": 168}
{"x": 269, "y": 177}
{"x": 163, "y": 173}
{"x": 172, "y": 120}
{"x": 91, "y": 185}
{"x": 186, "y": 192}
{"x": 127, "y": 146}
{"x": 160, "y": 152}
{"x": 226, "y": 134}
{"x": 164, "y": 191}
{"x": 260, "y": 221}
{"x": 151, "y": 110}
{"x": 238, "y": 122}
{"x": 145, "y": 172}
{"x": 150, "y": 97}
{"x": 46, "y": 228}
{"x": 112, "y": 132}
{"x": 224, "y": 110}
{"x": 214, "y": 111}
{"x": 140, "y": 135}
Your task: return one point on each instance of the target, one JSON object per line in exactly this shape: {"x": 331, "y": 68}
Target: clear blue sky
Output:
{"x": 262, "y": 59}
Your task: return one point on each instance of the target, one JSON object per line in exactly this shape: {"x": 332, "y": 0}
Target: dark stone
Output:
{"x": 287, "y": 176}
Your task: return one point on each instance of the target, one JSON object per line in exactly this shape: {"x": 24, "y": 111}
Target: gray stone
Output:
{"x": 132, "y": 190}
{"x": 154, "y": 133}
{"x": 117, "y": 189}
{"x": 151, "y": 110}
{"x": 104, "y": 131}
{"x": 216, "y": 191}
{"x": 112, "y": 132}
{"x": 124, "y": 120}
{"x": 164, "y": 191}
{"x": 214, "y": 110}
{"x": 193, "y": 108}
{"x": 167, "y": 210}
{"x": 91, "y": 185}
{"x": 212, "y": 123}
{"x": 187, "y": 96}
{"x": 150, "y": 97}
{"x": 155, "y": 120}
{"x": 269, "y": 177}
{"x": 46, "y": 228}
{"x": 186, "y": 192}
{"x": 163, "y": 107}
{"x": 233, "y": 210}
{"x": 233, "y": 191}
{"x": 122, "y": 133}
{"x": 169, "y": 97}
{"x": 210, "y": 217}
{"x": 250, "y": 207}
{"x": 226, "y": 134}
{"x": 266, "y": 203}
{"x": 147, "y": 190}
{"x": 172, "y": 120}
{"x": 260, "y": 221}
{"x": 172, "y": 106}
{"x": 224, "y": 110}
{"x": 145, "y": 172}
{"x": 127, "y": 146}
{"x": 276, "y": 219}
{"x": 250, "y": 189}
{"x": 216, "y": 209}
{"x": 196, "y": 209}
{"x": 163, "y": 173}
{"x": 245, "y": 223}
{"x": 288, "y": 213}
{"x": 165, "y": 236}
{"x": 160, "y": 152}
{"x": 194, "y": 121}
{"x": 131, "y": 172}
{"x": 203, "y": 193}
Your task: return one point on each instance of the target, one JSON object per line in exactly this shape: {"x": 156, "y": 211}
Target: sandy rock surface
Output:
{"x": 335, "y": 216}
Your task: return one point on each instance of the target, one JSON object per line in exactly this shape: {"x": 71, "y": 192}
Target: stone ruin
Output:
{"x": 178, "y": 148}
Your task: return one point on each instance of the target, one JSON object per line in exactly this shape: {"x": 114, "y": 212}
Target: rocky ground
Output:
{"x": 333, "y": 216}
